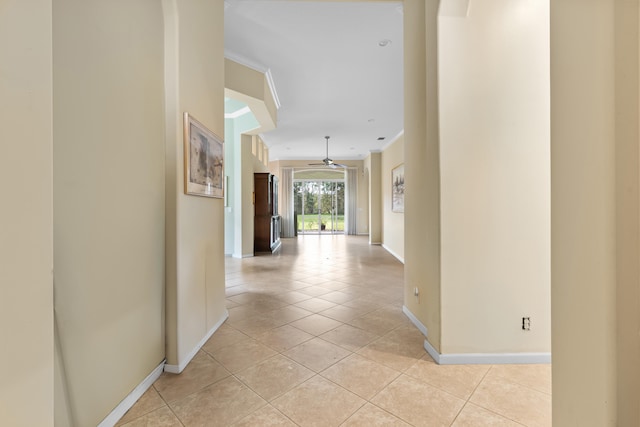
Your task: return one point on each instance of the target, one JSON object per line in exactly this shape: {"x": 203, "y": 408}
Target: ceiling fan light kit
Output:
{"x": 327, "y": 161}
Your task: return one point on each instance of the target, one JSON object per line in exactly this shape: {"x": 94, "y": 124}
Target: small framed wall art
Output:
{"x": 397, "y": 188}
{"x": 203, "y": 160}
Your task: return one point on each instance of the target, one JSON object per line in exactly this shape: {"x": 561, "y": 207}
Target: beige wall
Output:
{"x": 588, "y": 345}
{"x": 364, "y": 184}
{"x": 108, "y": 199}
{"x": 234, "y": 129}
{"x": 362, "y": 220}
{"x": 26, "y": 229}
{"x": 250, "y": 155}
{"x": 251, "y": 87}
{"x": 422, "y": 168}
{"x": 374, "y": 162}
{"x": 495, "y": 178}
{"x": 269, "y": 102}
{"x": 195, "y": 264}
{"x": 628, "y": 211}
{"x": 246, "y": 236}
{"x": 392, "y": 222}
{"x": 594, "y": 140}
{"x": 244, "y": 80}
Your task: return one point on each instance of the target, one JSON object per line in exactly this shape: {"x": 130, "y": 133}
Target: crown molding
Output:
{"x": 242, "y": 60}
{"x": 272, "y": 87}
{"x": 392, "y": 140}
{"x": 245, "y": 61}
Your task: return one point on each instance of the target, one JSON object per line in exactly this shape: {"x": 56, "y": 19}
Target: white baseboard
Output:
{"x": 240, "y": 256}
{"x": 132, "y": 398}
{"x": 375, "y": 243}
{"x": 176, "y": 369}
{"x": 398, "y": 257}
{"x": 418, "y": 324}
{"x": 432, "y": 352}
{"x": 487, "y": 358}
{"x": 476, "y": 358}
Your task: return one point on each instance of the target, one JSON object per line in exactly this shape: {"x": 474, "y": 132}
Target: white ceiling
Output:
{"x": 330, "y": 74}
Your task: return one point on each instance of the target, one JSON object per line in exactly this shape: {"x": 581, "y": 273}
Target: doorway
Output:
{"x": 319, "y": 206}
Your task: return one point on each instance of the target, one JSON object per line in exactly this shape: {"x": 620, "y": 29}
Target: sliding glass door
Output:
{"x": 307, "y": 206}
{"x": 319, "y": 206}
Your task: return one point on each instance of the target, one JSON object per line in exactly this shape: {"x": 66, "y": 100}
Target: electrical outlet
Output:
{"x": 526, "y": 323}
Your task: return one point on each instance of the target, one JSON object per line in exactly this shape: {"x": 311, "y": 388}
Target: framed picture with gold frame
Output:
{"x": 203, "y": 160}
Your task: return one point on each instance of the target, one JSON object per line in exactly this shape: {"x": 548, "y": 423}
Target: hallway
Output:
{"x": 316, "y": 337}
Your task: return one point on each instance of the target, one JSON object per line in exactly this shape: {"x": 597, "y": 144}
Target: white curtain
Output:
{"x": 286, "y": 191}
{"x": 352, "y": 201}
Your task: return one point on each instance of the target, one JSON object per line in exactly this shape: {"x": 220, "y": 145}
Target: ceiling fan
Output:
{"x": 327, "y": 161}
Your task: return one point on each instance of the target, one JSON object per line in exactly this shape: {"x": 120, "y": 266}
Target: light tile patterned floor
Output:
{"x": 316, "y": 337}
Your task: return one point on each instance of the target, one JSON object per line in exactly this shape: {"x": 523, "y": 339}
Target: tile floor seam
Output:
{"x": 368, "y": 285}
{"x": 280, "y": 394}
{"x": 354, "y": 412}
{"x": 341, "y": 386}
{"x": 200, "y": 389}
{"x": 282, "y": 352}
{"x": 373, "y": 360}
{"x": 458, "y": 414}
{"x": 494, "y": 411}
{"x": 348, "y": 391}
{"x": 285, "y": 415}
{"x": 506, "y": 417}
{"x": 314, "y": 335}
{"x": 525, "y": 386}
{"x": 369, "y": 400}
{"x": 391, "y": 413}
{"x": 176, "y": 415}
{"x": 167, "y": 405}
{"x": 466, "y": 399}
{"x": 399, "y": 378}
{"x": 480, "y": 382}
{"x": 119, "y": 422}
{"x": 249, "y": 387}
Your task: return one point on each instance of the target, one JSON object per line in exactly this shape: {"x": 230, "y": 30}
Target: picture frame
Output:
{"x": 397, "y": 188}
{"x": 203, "y": 160}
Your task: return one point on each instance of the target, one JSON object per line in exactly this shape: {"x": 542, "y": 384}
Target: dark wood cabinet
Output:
{"x": 266, "y": 223}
